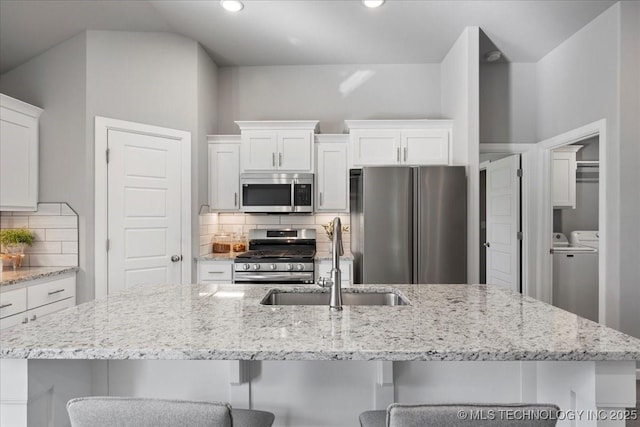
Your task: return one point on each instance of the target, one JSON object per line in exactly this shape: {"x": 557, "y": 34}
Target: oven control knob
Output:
{"x": 256, "y": 266}
{"x": 300, "y": 267}
{"x": 246, "y": 266}
{"x": 273, "y": 266}
{"x": 289, "y": 267}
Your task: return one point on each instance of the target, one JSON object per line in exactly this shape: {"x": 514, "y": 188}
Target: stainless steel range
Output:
{"x": 277, "y": 256}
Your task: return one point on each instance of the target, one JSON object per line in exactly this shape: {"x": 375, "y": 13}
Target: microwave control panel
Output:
{"x": 302, "y": 195}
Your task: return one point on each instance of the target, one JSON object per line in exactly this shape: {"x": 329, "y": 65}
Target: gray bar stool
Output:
{"x": 463, "y": 415}
{"x": 139, "y": 412}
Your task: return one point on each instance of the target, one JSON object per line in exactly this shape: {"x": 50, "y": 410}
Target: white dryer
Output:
{"x": 575, "y": 273}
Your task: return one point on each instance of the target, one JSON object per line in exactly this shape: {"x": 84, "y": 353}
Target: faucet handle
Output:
{"x": 325, "y": 282}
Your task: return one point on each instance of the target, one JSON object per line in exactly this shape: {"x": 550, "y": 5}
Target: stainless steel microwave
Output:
{"x": 276, "y": 192}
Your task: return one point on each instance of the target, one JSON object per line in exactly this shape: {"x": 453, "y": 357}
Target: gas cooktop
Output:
{"x": 285, "y": 254}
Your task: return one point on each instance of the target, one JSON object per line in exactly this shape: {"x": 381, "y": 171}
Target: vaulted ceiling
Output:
{"x": 299, "y": 32}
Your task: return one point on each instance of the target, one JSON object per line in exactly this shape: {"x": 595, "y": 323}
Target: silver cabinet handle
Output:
{"x": 235, "y": 199}
{"x": 6, "y": 305}
{"x": 398, "y": 154}
{"x": 405, "y": 153}
{"x": 25, "y": 320}
{"x": 320, "y": 197}
{"x": 55, "y": 292}
{"x": 175, "y": 258}
{"x": 273, "y": 159}
{"x": 33, "y": 318}
{"x": 486, "y": 244}
{"x": 279, "y": 159}
{"x": 216, "y": 272}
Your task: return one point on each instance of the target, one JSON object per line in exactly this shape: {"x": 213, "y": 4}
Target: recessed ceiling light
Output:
{"x": 373, "y": 3}
{"x": 232, "y": 5}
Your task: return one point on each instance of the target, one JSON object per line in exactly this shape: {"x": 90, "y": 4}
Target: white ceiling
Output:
{"x": 299, "y": 32}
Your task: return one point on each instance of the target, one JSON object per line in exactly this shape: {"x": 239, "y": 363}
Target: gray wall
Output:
{"x": 158, "y": 79}
{"x": 56, "y": 82}
{"x": 508, "y": 102}
{"x": 577, "y": 84}
{"x": 154, "y": 78}
{"x": 329, "y": 93}
{"x": 629, "y": 170}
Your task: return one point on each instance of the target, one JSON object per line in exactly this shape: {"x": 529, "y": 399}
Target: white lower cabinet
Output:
{"x": 323, "y": 269}
{"x": 36, "y": 299}
{"x": 215, "y": 271}
{"x": 332, "y": 173}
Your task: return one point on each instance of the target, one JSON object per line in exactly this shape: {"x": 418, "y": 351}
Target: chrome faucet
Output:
{"x": 335, "y": 279}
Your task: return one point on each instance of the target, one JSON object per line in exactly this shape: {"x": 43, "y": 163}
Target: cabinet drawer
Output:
{"x": 16, "y": 319}
{"x": 52, "y": 291}
{"x": 323, "y": 269}
{"x": 36, "y": 313}
{"x": 13, "y": 302}
{"x": 215, "y": 271}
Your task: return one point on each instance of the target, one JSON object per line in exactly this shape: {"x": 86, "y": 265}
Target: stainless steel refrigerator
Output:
{"x": 409, "y": 224}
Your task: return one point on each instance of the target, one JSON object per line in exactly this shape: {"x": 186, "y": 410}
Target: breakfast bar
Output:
{"x": 487, "y": 343}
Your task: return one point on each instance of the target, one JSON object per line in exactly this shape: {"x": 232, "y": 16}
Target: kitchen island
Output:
{"x": 450, "y": 343}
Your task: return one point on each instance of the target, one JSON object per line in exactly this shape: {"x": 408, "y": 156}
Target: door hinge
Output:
{"x": 519, "y": 235}
{"x": 519, "y": 173}
{"x": 108, "y": 244}
{"x": 107, "y": 154}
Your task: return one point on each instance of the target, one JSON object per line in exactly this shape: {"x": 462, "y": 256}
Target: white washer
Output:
{"x": 575, "y": 274}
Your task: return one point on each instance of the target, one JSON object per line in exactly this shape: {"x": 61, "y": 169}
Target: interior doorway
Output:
{"x": 143, "y": 199}
{"x": 501, "y": 221}
{"x": 587, "y": 134}
{"x": 575, "y": 241}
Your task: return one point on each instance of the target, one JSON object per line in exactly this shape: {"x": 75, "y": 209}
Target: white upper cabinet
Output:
{"x": 224, "y": 172}
{"x": 400, "y": 142}
{"x": 18, "y": 155}
{"x": 332, "y": 173}
{"x": 277, "y": 146}
{"x": 563, "y": 171}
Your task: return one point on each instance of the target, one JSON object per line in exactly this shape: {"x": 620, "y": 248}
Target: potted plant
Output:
{"x": 14, "y": 241}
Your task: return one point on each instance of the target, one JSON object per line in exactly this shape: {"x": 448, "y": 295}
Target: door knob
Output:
{"x": 486, "y": 244}
{"x": 175, "y": 258}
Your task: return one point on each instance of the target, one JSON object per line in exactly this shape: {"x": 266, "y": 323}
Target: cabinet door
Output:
{"x": 18, "y": 161}
{"x": 332, "y": 177}
{"x": 259, "y": 150}
{"x": 294, "y": 150}
{"x": 563, "y": 171}
{"x": 375, "y": 147}
{"x": 224, "y": 177}
{"x": 425, "y": 147}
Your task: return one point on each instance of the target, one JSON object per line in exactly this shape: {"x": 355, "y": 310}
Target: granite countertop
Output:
{"x": 23, "y": 274}
{"x": 227, "y": 322}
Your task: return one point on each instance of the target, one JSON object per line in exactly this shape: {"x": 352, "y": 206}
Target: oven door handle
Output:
{"x": 285, "y": 277}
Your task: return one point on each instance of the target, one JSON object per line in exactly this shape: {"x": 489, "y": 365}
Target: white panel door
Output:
{"x": 425, "y": 147}
{"x": 144, "y": 214}
{"x": 503, "y": 223}
{"x": 224, "y": 177}
{"x": 294, "y": 150}
{"x": 332, "y": 178}
{"x": 375, "y": 147}
{"x": 259, "y": 150}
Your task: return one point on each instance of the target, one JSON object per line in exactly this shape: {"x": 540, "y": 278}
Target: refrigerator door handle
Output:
{"x": 415, "y": 229}
{"x": 398, "y": 154}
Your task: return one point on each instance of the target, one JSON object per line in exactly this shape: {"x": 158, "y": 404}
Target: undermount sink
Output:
{"x": 285, "y": 297}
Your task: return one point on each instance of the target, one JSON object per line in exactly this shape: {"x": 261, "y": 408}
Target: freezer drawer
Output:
{"x": 575, "y": 283}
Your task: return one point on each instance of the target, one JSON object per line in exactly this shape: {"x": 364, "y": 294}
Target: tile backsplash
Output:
{"x": 55, "y": 227}
{"x": 211, "y": 223}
